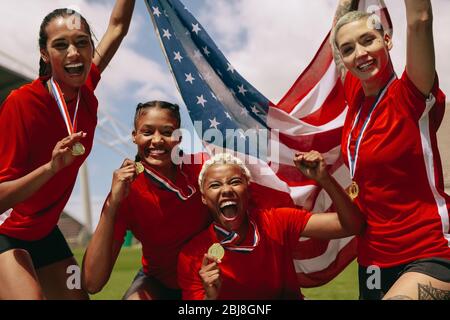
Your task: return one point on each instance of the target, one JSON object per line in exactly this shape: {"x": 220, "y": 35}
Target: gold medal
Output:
{"x": 217, "y": 251}
{"x": 139, "y": 167}
{"x": 78, "y": 149}
{"x": 353, "y": 191}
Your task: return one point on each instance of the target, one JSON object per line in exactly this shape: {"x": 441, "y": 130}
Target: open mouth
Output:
{"x": 229, "y": 210}
{"x": 75, "y": 69}
{"x": 366, "y": 66}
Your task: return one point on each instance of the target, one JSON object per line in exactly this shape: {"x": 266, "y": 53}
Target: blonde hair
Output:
{"x": 222, "y": 158}
{"x": 353, "y": 16}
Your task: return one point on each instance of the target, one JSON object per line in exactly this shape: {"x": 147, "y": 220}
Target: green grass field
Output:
{"x": 344, "y": 287}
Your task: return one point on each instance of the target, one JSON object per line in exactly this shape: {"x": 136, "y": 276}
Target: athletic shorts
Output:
{"x": 371, "y": 289}
{"x": 158, "y": 290}
{"x": 46, "y": 251}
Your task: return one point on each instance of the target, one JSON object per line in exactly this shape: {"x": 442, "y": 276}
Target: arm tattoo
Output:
{"x": 428, "y": 292}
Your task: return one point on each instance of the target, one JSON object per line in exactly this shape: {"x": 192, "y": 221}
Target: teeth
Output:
{"x": 74, "y": 65}
{"x": 227, "y": 203}
{"x": 157, "y": 151}
{"x": 365, "y": 65}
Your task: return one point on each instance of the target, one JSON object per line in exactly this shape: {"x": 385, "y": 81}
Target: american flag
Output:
{"x": 225, "y": 108}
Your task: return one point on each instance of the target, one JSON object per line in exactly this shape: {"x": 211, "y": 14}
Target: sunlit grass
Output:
{"x": 344, "y": 287}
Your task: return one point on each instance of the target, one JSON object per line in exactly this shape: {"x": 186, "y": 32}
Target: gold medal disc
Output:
{"x": 217, "y": 251}
{"x": 353, "y": 190}
{"x": 78, "y": 149}
{"x": 139, "y": 167}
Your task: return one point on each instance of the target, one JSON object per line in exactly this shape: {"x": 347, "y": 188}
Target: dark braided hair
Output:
{"x": 45, "y": 68}
{"x": 141, "y": 109}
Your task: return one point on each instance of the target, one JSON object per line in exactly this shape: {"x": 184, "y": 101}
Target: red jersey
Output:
{"x": 265, "y": 273}
{"x": 399, "y": 173}
{"x": 162, "y": 219}
{"x": 164, "y": 222}
{"x": 30, "y": 126}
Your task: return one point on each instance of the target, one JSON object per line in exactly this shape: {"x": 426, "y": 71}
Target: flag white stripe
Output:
{"x": 287, "y": 124}
{"x": 317, "y": 96}
{"x": 323, "y": 261}
{"x": 323, "y": 201}
{"x": 4, "y": 216}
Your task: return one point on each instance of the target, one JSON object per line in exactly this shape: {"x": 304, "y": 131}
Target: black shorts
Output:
{"x": 46, "y": 251}
{"x": 369, "y": 289}
{"x": 158, "y": 290}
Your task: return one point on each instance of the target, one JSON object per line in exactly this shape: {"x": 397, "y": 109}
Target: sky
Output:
{"x": 268, "y": 42}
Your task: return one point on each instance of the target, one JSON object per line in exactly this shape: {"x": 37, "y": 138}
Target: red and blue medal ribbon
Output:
{"x": 58, "y": 95}
{"x": 352, "y": 160}
{"x": 231, "y": 237}
{"x": 169, "y": 185}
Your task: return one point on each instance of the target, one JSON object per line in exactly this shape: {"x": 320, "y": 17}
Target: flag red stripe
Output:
{"x": 309, "y": 78}
{"x": 332, "y": 107}
{"x": 322, "y": 141}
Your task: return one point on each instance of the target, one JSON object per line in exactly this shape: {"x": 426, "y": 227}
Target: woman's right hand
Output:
{"x": 62, "y": 153}
{"x": 312, "y": 165}
{"x": 122, "y": 179}
{"x": 210, "y": 275}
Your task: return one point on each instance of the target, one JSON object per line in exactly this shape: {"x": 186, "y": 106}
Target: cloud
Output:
{"x": 270, "y": 42}
{"x": 129, "y": 73}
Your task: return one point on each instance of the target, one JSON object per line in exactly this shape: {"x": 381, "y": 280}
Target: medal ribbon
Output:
{"x": 352, "y": 160}
{"x": 58, "y": 95}
{"x": 230, "y": 238}
{"x": 169, "y": 185}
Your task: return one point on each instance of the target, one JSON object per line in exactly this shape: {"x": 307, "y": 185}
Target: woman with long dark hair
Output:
{"x": 46, "y": 132}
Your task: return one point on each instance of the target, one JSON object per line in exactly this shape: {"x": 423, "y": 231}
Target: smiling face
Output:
{"x": 69, "y": 51}
{"x": 225, "y": 193}
{"x": 153, "y": 136}
{"x": 364, "y": 50}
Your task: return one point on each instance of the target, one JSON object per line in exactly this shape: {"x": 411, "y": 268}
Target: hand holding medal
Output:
{"x": 122, "y": 179}
{"x": 62, "y": 154}
{"x": 210, "y": 271}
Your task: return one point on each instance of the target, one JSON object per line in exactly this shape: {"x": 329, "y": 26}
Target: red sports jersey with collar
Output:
{"x": 163, "y": 223}
{"x": 399, "y": 173}
{"x": 265, "y": 273}
{"x": 30, "y": 126}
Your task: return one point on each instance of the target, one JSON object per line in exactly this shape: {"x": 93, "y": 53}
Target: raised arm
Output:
{"x": 420, "y": 57}
{"x": 103, "y": 250}
{"x": 343, "y": 8}
{"x": 347, "y": 221}
{"x": 119, "y": 23}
